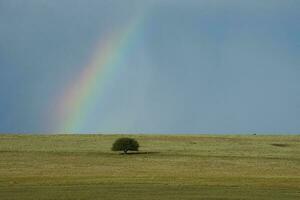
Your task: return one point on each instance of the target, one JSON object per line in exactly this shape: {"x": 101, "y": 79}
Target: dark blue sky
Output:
{"x": 195, "y": 67}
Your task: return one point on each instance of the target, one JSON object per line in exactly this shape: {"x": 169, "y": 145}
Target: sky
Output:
{"x": 151, "y": 66}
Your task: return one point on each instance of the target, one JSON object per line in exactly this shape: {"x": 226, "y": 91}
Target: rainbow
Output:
{"x": 74, "y": 106}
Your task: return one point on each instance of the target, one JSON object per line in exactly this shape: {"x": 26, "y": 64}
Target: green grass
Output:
{"x": 77, "y": 167}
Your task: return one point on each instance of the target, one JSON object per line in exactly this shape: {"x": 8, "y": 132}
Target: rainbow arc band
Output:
{"x": 107, "y": 58}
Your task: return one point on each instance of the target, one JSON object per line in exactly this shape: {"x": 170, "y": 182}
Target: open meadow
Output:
{"x": 79, "y": 167}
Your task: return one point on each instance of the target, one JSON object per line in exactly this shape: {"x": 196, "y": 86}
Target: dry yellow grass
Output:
{"x": 169, "y": 167}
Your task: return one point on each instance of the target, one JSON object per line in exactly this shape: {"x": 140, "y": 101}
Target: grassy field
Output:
{"x": 79, "y": 167}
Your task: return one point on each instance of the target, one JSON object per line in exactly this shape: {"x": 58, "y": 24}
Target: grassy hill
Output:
{"x": 169, "y": 167}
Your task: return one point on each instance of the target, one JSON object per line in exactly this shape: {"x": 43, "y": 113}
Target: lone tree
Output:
{"x": 125, "y": 144}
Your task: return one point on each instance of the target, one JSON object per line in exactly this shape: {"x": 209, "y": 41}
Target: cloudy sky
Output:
{"x": 202, "y": 66}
